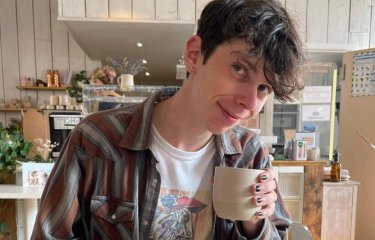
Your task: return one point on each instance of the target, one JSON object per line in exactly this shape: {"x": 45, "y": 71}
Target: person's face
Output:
{"x": 230, "y": 86}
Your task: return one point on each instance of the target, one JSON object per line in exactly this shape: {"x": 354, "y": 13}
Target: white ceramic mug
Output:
{"x": 231, "y": 193}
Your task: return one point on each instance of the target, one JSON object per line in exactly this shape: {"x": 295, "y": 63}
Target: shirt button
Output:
{"x": 113, "y": 216}
{"x": 154, "y": 182}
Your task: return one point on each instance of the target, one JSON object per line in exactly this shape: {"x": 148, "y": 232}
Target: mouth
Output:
{"x": 232, "y": 118}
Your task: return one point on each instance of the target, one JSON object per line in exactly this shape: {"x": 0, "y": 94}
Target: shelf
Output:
{"x": 63, "y": 88}
{"x": 12, "y": 109}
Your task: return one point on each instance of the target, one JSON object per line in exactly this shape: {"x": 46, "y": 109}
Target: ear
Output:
{"x": 192, "y": 53}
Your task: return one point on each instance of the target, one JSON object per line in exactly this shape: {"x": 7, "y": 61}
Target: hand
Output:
{"x": 264, "y": 194}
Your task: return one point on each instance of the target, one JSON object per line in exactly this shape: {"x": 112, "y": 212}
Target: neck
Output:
{"x": 176, "y": 123}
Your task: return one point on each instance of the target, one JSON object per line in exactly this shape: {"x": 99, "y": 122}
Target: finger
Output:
{"x": 266, "y": 211}
{"x": 267, "y": 175}
{"x": 264, "y": 200}
{"x": 262, "y": 188}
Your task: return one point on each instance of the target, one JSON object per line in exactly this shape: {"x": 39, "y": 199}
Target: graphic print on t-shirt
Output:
{"x": 179, "y": 215}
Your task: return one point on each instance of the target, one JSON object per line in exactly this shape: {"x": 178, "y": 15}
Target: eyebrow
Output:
{"x": 246, "y": 56}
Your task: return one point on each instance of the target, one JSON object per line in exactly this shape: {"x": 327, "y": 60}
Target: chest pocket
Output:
{"x": 111, "y": 216}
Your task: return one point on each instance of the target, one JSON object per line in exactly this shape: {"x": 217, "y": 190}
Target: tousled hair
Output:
{"x": 267, "y": 28}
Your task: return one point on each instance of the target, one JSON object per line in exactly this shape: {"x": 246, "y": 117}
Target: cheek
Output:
{"x": 259, "y": 106}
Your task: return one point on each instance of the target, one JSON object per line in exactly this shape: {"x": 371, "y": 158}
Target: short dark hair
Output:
{"x": 267, "y": 28}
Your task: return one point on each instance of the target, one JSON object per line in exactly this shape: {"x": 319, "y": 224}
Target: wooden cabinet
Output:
{"x": 339, "y": 210}
{"x": 312, "y": 195}
{"x": 328, "y": 209}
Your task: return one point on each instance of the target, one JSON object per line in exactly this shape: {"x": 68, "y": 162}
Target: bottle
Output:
{"x": 49, "y": 78}
{"x": 336, "y": 168}
{"x": 56, "y": 79}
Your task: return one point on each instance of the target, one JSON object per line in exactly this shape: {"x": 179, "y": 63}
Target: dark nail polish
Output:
{"x": 259, "y": 200}
{"x": 260, "y": 213}
{"x": 264, "y": 177}
{"x": 258, "y": 188}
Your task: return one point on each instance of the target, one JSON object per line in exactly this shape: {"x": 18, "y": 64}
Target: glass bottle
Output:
{"x": 49, "y": 78}
{"x": 336, "y": 169}
{"x": 56, "y": 79}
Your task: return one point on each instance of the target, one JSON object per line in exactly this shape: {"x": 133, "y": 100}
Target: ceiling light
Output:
{"x": 147, "y": 74}
{"x": 144, "y": 61}
{"x": 139, "y": 44}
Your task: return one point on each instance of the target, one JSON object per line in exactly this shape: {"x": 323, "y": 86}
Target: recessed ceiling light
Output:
{"x": 139, "y": 44}
{"x": 147, "y": 74}
{"x": 144, "y": 61}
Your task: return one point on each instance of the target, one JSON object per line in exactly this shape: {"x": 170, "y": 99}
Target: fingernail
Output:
{"x": 258, "y": 188}
{"x": 259, "y": 200}
{"x": 264, "y": 177}
{"x": 260, "y": 213}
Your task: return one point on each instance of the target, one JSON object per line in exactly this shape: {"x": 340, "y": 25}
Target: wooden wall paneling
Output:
{"x": 316, "y": 27}
{"x": 143, "y": 9}
{"x": 43, "y": 43}
{"x": 186, "y": 10}
{"x": 166, "y": 9}
{"x": 77, "y": 57}
{"x": 120, "y": 9}
{"x": 359, "y": 40}
{"x": 60, "y": 38}
{"x": 26, "y": 44}
{"x": 360, "y": 23}
{"x": 59, "y": 8}
{"x": 10, "y": 60}
{"x": 338, "y": 21}
{"x": 73, "y": 8}
{"x": 372, "y": 26}
{"x": 97, "y": 8}
{"x": 298, "y": 10}
{"x": 199, "y": 5}
{"x": 90, "y": 64}
{"x": 2, "y": 116}
{"x": 360, "y": 16}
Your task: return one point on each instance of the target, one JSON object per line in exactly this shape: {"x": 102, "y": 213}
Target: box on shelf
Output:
{"x": 311, "y": 138}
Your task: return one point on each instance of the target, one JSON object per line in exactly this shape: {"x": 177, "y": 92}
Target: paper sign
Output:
{"x": 315, "y": 113}
{"x": 317, "y": 94}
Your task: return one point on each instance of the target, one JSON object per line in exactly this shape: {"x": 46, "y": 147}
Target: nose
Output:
{"x": 248, "y": 98}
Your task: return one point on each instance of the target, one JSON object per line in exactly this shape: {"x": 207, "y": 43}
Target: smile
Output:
{"x": 231, "y": 118}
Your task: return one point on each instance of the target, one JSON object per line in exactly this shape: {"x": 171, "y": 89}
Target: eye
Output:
{"x": 264, "y": 89}
{"x": 240, "y": 69}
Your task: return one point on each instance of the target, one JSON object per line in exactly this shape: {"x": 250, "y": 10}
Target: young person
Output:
{"x": 145, "y": 171}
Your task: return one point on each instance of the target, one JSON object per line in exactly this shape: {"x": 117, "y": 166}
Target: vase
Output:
{"x": 125, "y": 81}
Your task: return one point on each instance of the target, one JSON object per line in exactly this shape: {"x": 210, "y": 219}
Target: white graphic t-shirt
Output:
{"x": 184, "y": 208}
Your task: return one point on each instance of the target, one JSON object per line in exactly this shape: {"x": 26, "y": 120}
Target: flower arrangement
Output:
{"x": 45, "y": 148}
{"x": 128, "y": 66}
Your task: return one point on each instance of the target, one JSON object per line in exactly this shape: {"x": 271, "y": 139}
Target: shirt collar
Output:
{"x": 138, "y": 136}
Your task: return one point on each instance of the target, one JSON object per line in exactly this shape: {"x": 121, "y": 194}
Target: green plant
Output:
{"x": 13, "y": 146}
{"x": 75, "y": 91}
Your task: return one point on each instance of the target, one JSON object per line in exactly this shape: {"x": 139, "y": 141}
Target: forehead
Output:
{"x": 239, "y": 49}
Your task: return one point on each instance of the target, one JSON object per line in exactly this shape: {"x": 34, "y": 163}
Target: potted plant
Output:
{"x": 13, "y": 148}
{"x": 75, "y": 91}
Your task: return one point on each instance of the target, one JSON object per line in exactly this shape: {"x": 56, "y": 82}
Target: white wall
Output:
{"x": 32, "y": 41}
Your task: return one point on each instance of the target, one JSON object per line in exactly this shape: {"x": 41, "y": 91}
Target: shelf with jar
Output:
{"x": 36, "y": 88}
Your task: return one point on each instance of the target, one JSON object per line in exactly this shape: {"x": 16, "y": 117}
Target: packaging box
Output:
{"x": 299, "y": 150}
{"x": 311, "y": 138}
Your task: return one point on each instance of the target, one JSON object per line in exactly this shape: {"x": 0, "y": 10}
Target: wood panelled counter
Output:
{"x": 313, "y": 192}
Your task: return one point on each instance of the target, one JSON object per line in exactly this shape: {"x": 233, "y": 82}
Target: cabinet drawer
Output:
{"x": 291, "y": 185}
